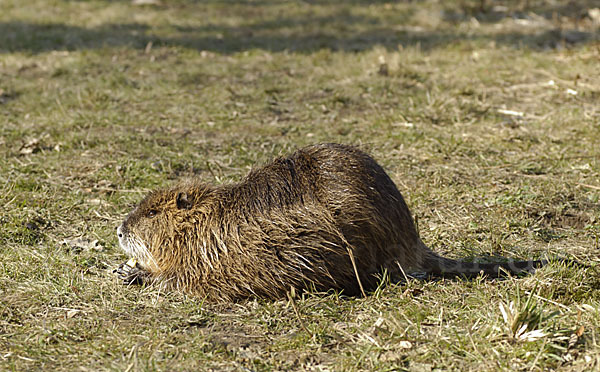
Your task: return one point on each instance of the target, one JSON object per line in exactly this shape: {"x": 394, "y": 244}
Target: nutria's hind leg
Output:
{"x": 132, "y": 274}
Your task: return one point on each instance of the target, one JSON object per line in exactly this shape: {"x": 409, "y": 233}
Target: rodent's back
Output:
{"x": 369, "y": 209}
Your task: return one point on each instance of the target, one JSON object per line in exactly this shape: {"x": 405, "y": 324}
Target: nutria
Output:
{"x": 325, "y": 217}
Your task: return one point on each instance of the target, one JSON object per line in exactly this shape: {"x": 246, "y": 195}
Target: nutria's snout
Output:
{"x": 121, "y": 234}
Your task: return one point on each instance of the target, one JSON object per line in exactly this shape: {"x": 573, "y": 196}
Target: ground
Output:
{"x": 485, "y": 114}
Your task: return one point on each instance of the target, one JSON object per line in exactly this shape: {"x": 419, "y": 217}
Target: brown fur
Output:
{"x": 291, "y": 223}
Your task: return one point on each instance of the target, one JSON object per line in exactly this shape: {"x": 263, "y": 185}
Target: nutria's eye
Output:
{"x": 151, "y": 213}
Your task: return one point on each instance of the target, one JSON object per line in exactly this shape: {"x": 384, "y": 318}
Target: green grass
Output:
{"x": 101, "y": 101}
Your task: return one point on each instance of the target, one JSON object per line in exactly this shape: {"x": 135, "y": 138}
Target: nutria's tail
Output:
{"x": 441, "y": 266}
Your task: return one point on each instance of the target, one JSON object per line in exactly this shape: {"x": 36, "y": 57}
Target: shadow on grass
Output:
{"x": 495, "y": 11}
{"x": 302, "y": 33}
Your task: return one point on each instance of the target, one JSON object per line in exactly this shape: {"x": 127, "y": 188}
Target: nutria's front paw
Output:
{"x": 131, "y": 273}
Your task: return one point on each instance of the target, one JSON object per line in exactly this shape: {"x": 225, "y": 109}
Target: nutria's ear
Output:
{"x": 182, "y": 201}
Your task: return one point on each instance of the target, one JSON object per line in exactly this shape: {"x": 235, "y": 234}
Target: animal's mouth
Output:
{"x": 136, "y": 249}
{"x": 126, "y": 247}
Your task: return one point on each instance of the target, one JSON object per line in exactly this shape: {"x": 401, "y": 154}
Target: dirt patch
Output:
{"x": 562, "y": 219}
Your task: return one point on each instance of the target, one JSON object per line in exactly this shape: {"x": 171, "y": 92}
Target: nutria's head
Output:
{"x": 154, "y": 231}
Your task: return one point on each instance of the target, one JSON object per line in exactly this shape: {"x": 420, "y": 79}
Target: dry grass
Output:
{"x": 485, "y": 114}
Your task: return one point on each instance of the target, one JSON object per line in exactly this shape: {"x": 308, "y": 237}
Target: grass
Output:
{"x": 484, "y": 113}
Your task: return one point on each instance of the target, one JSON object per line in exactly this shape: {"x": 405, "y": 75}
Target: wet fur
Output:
{"x": 294, "y": 222}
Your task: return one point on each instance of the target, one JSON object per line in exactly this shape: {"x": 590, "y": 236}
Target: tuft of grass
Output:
{"x": 525, "y": 319}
